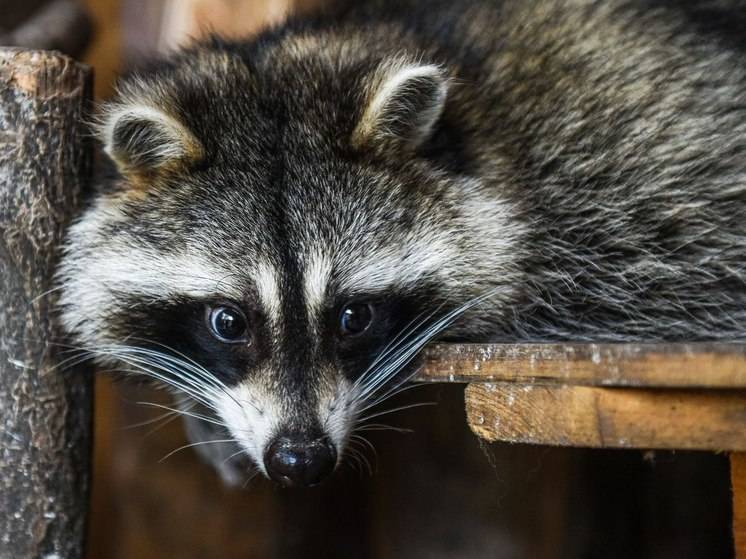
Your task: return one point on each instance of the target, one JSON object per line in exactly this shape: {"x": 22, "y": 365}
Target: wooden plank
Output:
{"x": 738, "y": 482}
{"x": 603, "y": 417}
{"x": 697, "y": 365}
{"x": 45, "y": 415}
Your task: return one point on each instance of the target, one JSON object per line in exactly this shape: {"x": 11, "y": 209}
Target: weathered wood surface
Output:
{"x": 738, "y": 482}
{"x": 44, "y": 414}
{"x": 698, "y": 365}
{"x": 608, "y": 417}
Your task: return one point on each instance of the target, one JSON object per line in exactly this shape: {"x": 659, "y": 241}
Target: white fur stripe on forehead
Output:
{"x": 318, "y": 268}
{"x": 267, "y": 283}
{"x": 94, "y": 284}
{"x": 126, "y": 265}
{"x": 402, "y": 266}
{"x": 432, "y": 251}
{"x": 155, "y": 274}
{"x": 391, "y": 267}
{"x": 96, "y": 274}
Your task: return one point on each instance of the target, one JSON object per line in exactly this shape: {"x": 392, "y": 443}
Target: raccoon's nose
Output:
{"x": 299, "y": 463}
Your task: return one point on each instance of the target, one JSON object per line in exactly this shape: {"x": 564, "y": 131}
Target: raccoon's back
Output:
{"x": 619, "y": 129}
{"x": 627, "y": 137}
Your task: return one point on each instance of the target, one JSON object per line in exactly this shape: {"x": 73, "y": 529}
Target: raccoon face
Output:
{"x": 280, "y": 262}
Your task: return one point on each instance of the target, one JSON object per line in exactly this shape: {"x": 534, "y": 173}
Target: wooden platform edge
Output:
{"x": 695, "y": 365}
{"x": 594, "y": 417}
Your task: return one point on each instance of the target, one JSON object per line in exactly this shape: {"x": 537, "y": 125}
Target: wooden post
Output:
{"x": 738, "y": 482}
{"x": 45, "y": 412}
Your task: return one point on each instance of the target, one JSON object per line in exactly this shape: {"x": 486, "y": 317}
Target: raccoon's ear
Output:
{"x": 144, "y": 140}
{"x": 404, "y": 105}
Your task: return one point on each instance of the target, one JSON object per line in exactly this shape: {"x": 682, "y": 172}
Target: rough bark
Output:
{"x": 45, "y": 410}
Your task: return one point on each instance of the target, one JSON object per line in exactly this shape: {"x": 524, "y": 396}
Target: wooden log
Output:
{"x": 608, "y": 417}
{"x": 738, "y": 483}
{"x": 696, "y": 365}
{"x": 45, "y": 412}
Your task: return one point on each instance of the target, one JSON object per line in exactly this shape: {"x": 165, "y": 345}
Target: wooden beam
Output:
{"x": 45, "y": 412}
{"x": 738, "y": 482}
{"x": 609, "y": 418}
{"x": 697, "y": 365}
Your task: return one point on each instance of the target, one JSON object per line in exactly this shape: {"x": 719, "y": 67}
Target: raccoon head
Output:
{"x": 279, "y": 242}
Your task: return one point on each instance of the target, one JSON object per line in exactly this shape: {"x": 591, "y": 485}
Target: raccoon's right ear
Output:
{"x": 404, "y": 103}
{"x": 144, "y": 140}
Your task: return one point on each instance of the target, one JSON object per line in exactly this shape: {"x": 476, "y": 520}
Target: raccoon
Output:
{"x": 290, "y": 218}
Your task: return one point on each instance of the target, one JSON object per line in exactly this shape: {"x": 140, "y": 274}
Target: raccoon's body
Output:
{"x": 294, "y": 216}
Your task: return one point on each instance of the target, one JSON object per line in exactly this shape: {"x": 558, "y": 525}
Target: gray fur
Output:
{"x": 582, "y": 162}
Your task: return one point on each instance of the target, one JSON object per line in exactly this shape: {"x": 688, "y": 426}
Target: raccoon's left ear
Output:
{"x": 144, "y": 140}
{"x": 403, "y": 106}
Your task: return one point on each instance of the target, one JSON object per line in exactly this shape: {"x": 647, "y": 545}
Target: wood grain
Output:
{"x": 695, "y": 365}
{"x": 738, "y": 482}
{"x": 610, "y": 418}
{"x": 45, "y": 414}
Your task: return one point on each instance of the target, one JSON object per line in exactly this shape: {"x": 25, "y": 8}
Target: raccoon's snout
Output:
{"x": 300, "y": 463}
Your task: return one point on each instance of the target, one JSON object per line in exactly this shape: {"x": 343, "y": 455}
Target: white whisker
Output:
{"x": 191, "y": 445}
{"x": 194, "y": 415}
{"x": 383, "y": 427}
{"x": 397, "y": 409}
{"x": 239, "y": 451}
{"x": 394, "y": 363}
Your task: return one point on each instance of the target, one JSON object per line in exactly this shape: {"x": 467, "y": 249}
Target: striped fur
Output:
{"x": 555, "y": 170}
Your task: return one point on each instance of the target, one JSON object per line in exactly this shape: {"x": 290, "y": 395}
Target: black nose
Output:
{"x": 300, "y": 463}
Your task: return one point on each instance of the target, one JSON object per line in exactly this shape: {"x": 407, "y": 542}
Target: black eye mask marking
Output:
{"x": 180, "y": 327}
{"x": 396, "y": 322}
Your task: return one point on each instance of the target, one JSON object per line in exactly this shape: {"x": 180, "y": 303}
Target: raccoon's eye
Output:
{"x": 227, "y": 324}
{"x": 355, "y": 318}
